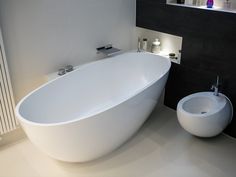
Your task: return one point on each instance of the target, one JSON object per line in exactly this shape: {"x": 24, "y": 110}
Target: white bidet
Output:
{"x": 204, "y": 114}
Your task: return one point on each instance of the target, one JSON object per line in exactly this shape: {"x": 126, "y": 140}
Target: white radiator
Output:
{"x": 8, "y": 120}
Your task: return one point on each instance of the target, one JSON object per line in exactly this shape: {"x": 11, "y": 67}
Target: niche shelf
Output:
{"x": 218, "y": 5}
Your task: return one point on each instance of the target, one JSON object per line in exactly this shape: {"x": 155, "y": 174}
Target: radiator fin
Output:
{"x": 8, "y": 121}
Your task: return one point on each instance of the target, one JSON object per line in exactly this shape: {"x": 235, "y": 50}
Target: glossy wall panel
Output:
{"x": 209, "y": 45}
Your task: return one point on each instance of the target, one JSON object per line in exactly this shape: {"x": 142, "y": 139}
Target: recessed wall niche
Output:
{"x": 169, "y": 43}
{"x": 219, "y": 5}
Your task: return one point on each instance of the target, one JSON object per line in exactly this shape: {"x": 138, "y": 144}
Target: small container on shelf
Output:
{"x": 188, "y": 2}
{"x": 227, "y": 4}
{"x": 210, "y": 3}
{"x": 144, "y": 44}
{"x": 180, "y": 1}
{"x": 173, "y": 56}
{"x": 199, "y": 2}
{"x": 156, "y": 46}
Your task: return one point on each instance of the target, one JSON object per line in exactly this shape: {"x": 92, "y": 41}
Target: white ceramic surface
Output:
{"x": 204, "y": 114}
{"x": 160, "y": 149}
{"x": 93, "y": 110}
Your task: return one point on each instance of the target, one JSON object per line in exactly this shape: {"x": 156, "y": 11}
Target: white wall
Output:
{"x": 43, "y": 35}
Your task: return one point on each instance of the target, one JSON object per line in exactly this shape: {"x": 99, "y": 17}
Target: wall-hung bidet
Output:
{"x": 205, "y": 114}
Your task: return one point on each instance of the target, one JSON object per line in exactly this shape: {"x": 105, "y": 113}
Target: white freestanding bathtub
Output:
{"x": 91, "y": 111}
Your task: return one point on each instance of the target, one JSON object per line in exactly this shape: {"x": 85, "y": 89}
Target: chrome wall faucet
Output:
{"x": 108, "y": 50}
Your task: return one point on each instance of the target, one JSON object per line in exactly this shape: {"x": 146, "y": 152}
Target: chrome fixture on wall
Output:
{"x": 215, "y": 87}
{"x": 66, "y": 69}
{"x": 108, "y": 50}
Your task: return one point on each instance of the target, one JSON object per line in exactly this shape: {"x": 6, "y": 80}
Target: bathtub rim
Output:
{"x": 138, "y": 91}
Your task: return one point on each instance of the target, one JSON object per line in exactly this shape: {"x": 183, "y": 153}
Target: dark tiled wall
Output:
{"x": 209, "y": 48}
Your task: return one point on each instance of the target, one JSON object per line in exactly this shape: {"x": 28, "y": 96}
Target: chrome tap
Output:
{"x": 69, "y": 68}
{"x": 61, "y": 71}
{"x": 215, "y": 87}
{"x": 66, "y": 69}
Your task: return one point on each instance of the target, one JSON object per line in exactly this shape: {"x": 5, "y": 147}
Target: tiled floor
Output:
{"x": 160, "y": 149}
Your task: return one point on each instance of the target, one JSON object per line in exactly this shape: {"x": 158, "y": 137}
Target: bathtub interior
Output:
{"x": 93, "y": 88}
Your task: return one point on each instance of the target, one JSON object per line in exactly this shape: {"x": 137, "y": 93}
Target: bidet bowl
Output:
{"x": 204, "y": 114}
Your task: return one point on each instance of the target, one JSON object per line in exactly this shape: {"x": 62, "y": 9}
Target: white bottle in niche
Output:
{"x": 188, "y": 2}
{"x": 199, "y": 2}
{"x": 144, "y": 44}
{"x": 227, "y": 4}
{"x": 156, "y": 46}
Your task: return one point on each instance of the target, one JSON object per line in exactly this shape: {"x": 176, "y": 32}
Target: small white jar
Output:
{"x": 145, "y": 44}
{"x": 156, "y": 46}
{"x": 188, "y": 2}
{"x": 227, "y": 4}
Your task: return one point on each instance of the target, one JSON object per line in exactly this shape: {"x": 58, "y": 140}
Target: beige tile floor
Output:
{"x": 160, "y": 149}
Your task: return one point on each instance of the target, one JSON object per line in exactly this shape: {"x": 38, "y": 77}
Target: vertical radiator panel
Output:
{"x": 8, "y": 120}
{"x": 2, "y": 123}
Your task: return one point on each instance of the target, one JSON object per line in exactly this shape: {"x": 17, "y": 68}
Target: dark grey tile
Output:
{"x": 209, "y": 42}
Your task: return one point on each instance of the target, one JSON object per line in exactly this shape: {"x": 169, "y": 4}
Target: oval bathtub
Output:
{"x": 91, "y": 111}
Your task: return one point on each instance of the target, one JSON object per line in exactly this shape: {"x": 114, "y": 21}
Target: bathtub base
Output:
{"x": 97, "y": 136}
